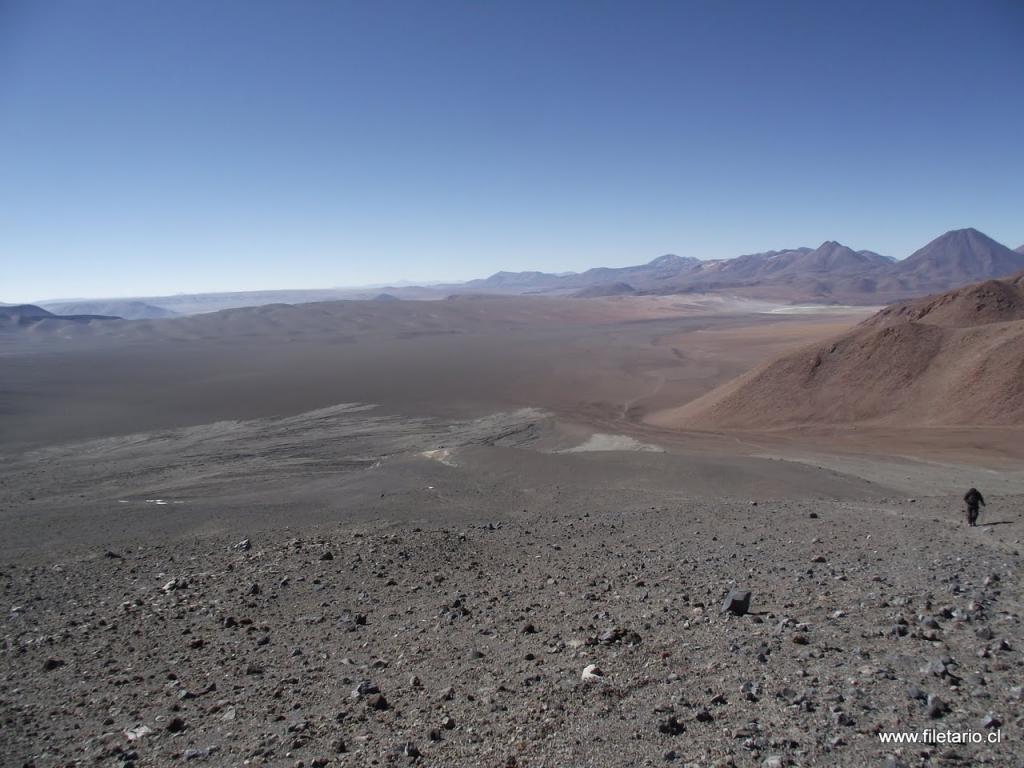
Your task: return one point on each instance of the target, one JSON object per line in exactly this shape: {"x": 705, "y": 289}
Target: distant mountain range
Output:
{"x": 830, "y": 273}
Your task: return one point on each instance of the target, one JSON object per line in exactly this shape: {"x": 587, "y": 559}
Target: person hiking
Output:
{"x": 973, "y": 498}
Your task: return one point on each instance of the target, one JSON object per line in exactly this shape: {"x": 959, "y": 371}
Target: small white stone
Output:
{"x": 136, "y": 733}
{"x": 591, "y": 672}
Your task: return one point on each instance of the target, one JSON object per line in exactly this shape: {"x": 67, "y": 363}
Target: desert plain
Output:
{"x": 480, "y": 531}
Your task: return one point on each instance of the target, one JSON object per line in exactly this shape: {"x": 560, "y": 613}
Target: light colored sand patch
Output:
{"x": 158, "y": 502}
{"x": 443, "y": 455}
{"x": 600, "y": 442}
{"x": 818, "y": 309}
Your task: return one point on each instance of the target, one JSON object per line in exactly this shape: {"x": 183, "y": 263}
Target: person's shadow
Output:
{"x": 996, "y": 522}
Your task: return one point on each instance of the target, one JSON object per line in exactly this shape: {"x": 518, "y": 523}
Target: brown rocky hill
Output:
{"x": 951, "y": 359}
{"x": 993, "y": 301}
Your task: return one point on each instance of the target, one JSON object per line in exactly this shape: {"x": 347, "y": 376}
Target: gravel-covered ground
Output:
{"x": 464, "y": 644}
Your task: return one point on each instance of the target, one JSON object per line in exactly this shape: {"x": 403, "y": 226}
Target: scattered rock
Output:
{"x": 199, "y": 753}
{"x": 936, "y": 707}
{"x": 991, "y": 722}
{"x": 174, "y": 584}
{"x": 365, "y": 688}
{"x": 138, "y": 732}
{"x": 592, "y": 673}
{"x": 737, "y": 602}
{"x": 671, "y": 726}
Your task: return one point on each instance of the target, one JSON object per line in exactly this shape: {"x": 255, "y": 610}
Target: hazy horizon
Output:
{"x": 401, "y": 282}
{"x": 153, "y": 150}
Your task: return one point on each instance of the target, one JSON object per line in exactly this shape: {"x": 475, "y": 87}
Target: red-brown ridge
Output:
{"x": 952, "y": 359}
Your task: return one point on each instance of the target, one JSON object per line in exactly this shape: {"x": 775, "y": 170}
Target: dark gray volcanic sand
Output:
{"x": 473, "y": 576}
{"x": 352, "y": 463}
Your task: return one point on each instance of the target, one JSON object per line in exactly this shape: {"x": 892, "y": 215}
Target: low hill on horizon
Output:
{"x": 951, "y": 359}
{"x": 15, "y": 316}
{"x": 126, "y": 309}
{"x": 609, "y": 289}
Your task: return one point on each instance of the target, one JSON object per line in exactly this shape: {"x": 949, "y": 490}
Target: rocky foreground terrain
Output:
{"x": 575, "y": 635}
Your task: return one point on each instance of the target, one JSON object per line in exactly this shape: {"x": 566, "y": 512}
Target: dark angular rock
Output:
{"x": 737, "y": 602}
{"x": 916, "y": 693}
{"x": 936, "y": 707}
{"x": 365, "y": 688}
{"x": 671, "y": 726}
{"x": 990, "y": 721}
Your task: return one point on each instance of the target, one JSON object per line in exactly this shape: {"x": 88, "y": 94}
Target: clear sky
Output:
{"x": 151, "y": 147}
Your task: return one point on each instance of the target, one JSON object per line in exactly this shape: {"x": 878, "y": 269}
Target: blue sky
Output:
{"x": 159, "y": 147}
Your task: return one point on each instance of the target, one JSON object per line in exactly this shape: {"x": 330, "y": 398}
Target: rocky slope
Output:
{"x": 590, "y": 637}
{"x": 952, "y": 359}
